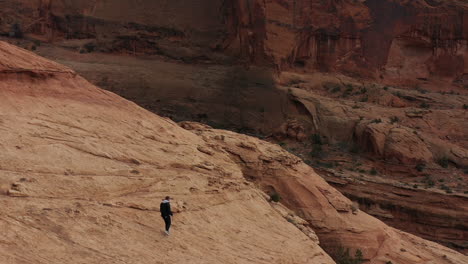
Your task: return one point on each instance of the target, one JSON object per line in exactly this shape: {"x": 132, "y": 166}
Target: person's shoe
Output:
{"x": 167, "y": 233}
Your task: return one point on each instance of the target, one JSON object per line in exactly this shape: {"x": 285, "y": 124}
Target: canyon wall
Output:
{"x": 395, "y": 41}
{"x": 388, "y": 76}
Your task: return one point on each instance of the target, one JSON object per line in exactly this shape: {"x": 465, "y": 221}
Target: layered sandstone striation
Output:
{"x": 431, "y": 215}
{"x": 381, "y": 82}
{"x": 333, "y": 217}
{"x": 381, "y": 148}
{"x": 393, "y": 41}
{"x": 83, "y": 171}
{"x": 406, "y": 135}
{"x": 172, "y": 28}
{"x": 396, "y": 41}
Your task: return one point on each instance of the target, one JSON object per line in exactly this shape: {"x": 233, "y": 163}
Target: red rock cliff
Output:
{"x": 392, "y": 39}
{"x": 395, "y": 40}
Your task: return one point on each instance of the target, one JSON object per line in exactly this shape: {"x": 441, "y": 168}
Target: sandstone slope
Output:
{"x": 410, "y": 145}
{"x": 404, "y": 107}
{"x": 82, "y": 172}
{"x": 333, "y": 217}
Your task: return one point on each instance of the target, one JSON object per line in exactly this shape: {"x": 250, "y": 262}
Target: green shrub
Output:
{"x": 317, "y": 151}
{"x": 424, "y": 105}
{"x": 420, "y": 167}
{"x": 358, "y": 255}
{"x": 329, "y": 165}
{"x": 376, "y": 121}
{"x": 429, "y": 181}
{"x": 16, "y": 31}
{"x": 364, "y": 99}
{"x": 354, "y": 148}
{"x": 90, "y": 47}
{"x": 316, "y": 139}
{"x": 335, "y": 89}
{"x": 446, "y": 188}
{"x": 348, "y": 90}
{"x": 443, "y": 162}
{"x": 421, "y": 90}
{"x": 342, "y": 256}
{"x": 275, "y": 197}
{"x": 373, "y": 171}
{"x": 292, "y": 150}
{"x": 394, "y": 119}
{"x": 465, "y": 106}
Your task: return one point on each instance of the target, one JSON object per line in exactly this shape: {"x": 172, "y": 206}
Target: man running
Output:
{"x": 166, "y": 213}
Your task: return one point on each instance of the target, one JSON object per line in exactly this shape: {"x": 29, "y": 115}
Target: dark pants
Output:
{"x": 167, "y": 221}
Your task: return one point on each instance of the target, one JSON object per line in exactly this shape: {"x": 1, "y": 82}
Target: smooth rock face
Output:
{"x": 329, "y": 213}
{"x": 250, "y": 65}
{"x": 83, "y": 172}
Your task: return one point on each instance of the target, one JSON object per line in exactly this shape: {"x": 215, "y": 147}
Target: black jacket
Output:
{"x": 165, "y": 208}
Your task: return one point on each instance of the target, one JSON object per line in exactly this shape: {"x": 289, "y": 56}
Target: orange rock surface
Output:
{"x": 381, "y": 82}
{"x": 333, "y": 217}
{"x": 83, "y": 171}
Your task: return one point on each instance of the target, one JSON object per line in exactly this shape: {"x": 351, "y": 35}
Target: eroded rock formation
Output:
{"x": 394, "y": 40}
{"x": 337, "y": 221}
{"x": 83, "y": 170}
{"x": 252, "y": 66}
